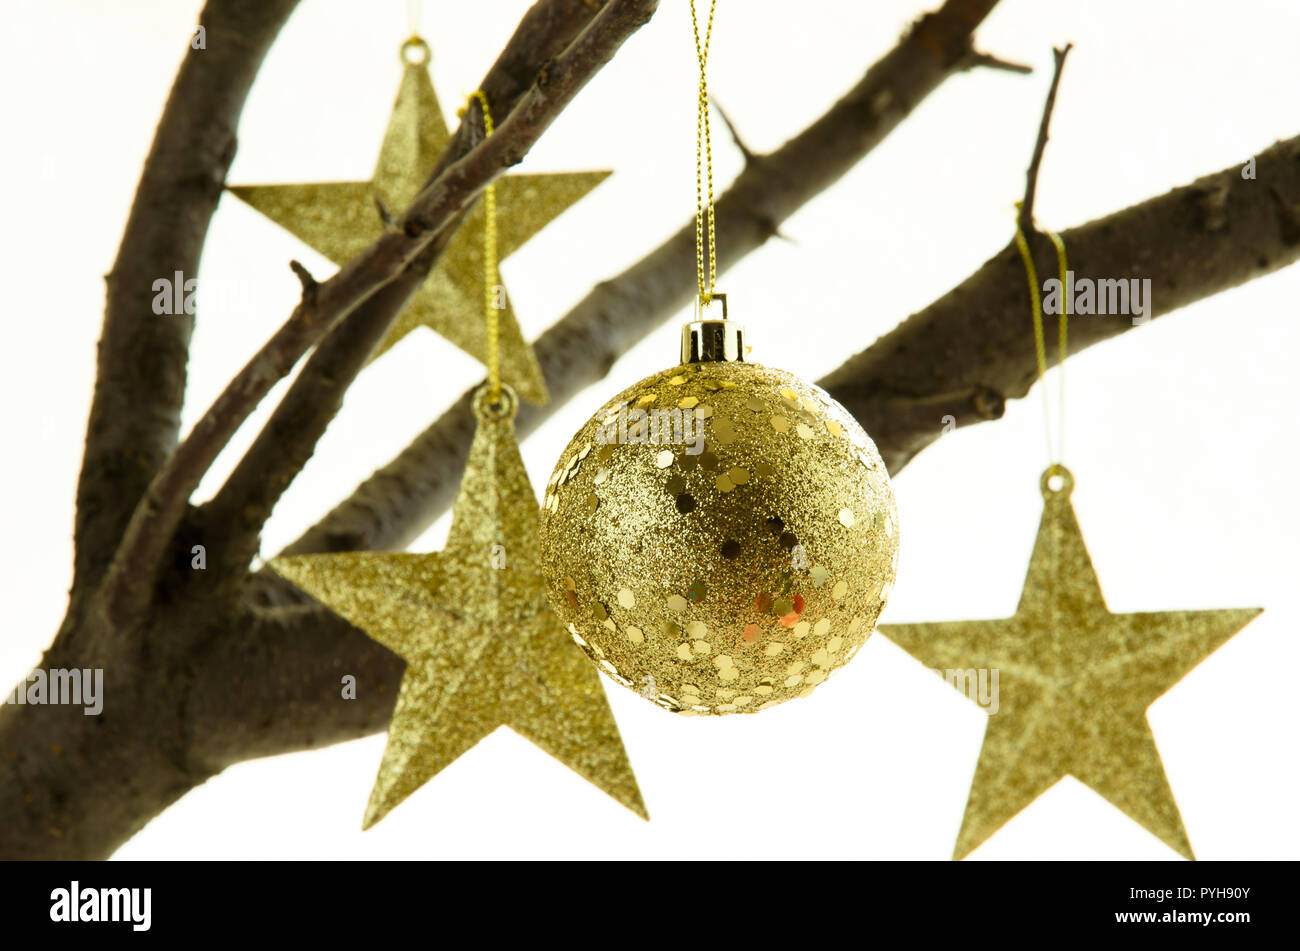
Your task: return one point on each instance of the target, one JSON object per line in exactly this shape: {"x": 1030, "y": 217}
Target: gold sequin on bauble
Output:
{"x": 743, "y": 543}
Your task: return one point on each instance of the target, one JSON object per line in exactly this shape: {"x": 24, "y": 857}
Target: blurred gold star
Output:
{"x": 1075, "y": 682}
{"x": 340, "y": 219}
{"x": 482, "y": 646}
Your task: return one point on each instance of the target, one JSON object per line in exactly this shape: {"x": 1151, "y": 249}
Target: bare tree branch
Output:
{"x": 278, "y": 713}
{"x": 235, "y": 516}
{"x": 399, "y": 501}
{"x": 140, "y": 382}
{"x": 973, "y": 348}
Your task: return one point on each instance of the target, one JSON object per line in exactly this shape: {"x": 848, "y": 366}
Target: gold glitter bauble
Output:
{"x": 721, "y": 536}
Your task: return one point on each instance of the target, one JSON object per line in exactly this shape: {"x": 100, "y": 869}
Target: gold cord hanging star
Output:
{"x": 340, "y": 219}
{"x": 482, "y": 646}
{"x": 1074, "y": 685}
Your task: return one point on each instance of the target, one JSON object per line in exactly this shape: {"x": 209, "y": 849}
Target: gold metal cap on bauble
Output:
{"x": 722, "y": 536}
{"x": 713, "y": 341}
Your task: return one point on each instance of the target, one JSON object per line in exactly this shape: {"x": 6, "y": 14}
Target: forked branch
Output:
{"x": 235, "y": 516}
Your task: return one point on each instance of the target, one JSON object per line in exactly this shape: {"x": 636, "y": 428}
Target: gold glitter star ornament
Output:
{"x": 1075, "y": 682}
{"x": 482, "y": 647}
{"x": 340, "y": 219}
{"x": 721, "y": 536}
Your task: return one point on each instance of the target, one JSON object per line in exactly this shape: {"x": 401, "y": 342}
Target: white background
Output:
{"x": 1180, "y": 433}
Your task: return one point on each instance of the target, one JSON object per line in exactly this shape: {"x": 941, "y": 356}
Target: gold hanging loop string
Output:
{"x": 1063, "y": 268}
{"x": 491, "y": 278}
{"x": 1055, "y": 448}
{"x": 705, "y": 233}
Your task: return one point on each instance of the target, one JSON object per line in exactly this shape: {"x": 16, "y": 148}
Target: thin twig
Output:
{"x": 1026, "y": 216}
{"x": 745, "y": 150}
{"x": 309, "y": 283}
{"x": 978, "y": 60}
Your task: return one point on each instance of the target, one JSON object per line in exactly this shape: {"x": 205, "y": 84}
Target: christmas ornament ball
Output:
{"x": 721, "y": 536}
